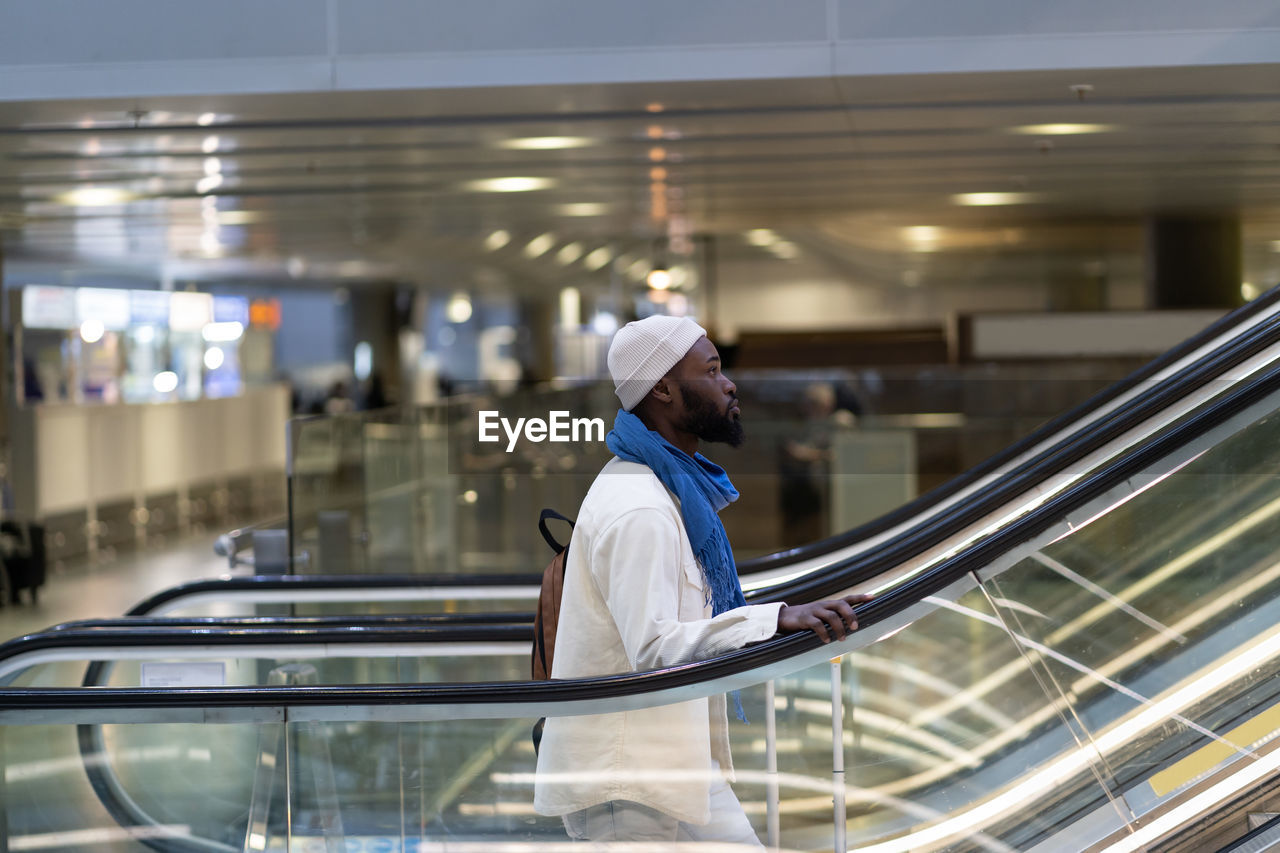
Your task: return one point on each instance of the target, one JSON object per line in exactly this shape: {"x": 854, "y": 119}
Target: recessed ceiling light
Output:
{"x": 206, "y": 119}
{"x": 539, "y": 245}
{"x": 94, "y": 196}
{"x": 208, "y": 184}
{"x": 659, "y": 279}
{"x": 761, "y": 237}
{"x": 1064, "y": 129}
{"x": 209, "y": 145}
{"x": 546, "y": 143}
{"x": 497, "y": 240}
{"x": 923, "y": 238}
{"x": 986, "y": 199}
{"x": 582, "y": 208}
{"x": 657, "y": 154}
{"x": 238, "y": 217}
{"x": 508, "y": 185}
{"x": 569, "y": 253}
{"x": 598, "y": 258}
{"x": 1249, "y": 291}
{"x": 785, "y": 250}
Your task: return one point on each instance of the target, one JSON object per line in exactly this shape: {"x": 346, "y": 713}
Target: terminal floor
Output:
{"x": 109, "y": 588}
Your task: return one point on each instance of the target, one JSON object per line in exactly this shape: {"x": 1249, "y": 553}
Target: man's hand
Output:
{"x": 830, "y": 620}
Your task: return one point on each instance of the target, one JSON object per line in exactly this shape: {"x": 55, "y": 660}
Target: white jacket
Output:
{"x": 634, "y": 599}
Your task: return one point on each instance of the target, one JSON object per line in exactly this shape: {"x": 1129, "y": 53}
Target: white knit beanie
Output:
{"x": 644, "y": 351}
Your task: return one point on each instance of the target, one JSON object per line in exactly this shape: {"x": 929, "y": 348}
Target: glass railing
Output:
{"x": 1099, "y": 673}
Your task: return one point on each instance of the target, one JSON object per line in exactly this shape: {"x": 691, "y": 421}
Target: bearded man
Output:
{"x": 650, "y": 582}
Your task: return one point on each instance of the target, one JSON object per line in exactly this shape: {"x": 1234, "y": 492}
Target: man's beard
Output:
{"x": 703, "y": 420}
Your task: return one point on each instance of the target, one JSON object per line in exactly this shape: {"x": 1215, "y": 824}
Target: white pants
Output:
{"x": 623, "y": 820}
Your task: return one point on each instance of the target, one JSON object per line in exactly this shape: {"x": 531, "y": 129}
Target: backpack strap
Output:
{"x": 546, "y": 534}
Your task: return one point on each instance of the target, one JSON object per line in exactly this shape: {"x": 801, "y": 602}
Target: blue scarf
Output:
{"x": 704, "y": 489}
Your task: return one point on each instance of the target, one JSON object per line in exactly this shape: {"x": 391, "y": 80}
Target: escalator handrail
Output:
{"x": 700, "y": 673}
{"x": 98, "y": 642}
{"x": 326, "y": 582}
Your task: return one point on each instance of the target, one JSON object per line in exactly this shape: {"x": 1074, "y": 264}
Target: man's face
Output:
{"x": 709, "y": 400}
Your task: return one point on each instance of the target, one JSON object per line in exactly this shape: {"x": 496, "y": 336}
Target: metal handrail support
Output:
{"x": 771, "y": 767}
{"x": 839, "y": 816}
{"x": 276, "y": 745}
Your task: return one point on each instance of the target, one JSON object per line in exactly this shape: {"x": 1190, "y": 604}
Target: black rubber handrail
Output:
{"x": 770, "y": 652}
{"x": 96, "y": 640}
{"x": 333, "y": 582}
{"x": 937, "y": 495}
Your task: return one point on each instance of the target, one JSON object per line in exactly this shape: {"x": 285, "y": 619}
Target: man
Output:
{"x": 650, "y": 582}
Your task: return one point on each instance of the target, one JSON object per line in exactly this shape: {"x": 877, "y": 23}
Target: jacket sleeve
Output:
{"x": 636, "y": 564}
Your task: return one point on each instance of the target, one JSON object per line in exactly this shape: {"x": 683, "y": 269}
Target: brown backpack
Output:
{"x": 547, "y": 616}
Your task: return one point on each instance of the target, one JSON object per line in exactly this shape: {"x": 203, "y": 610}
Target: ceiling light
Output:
{"x": 209, "y": 145}
{"x": 212, "y": 166}
{"x": 214, "y": 358}
{"x": 1249, "y": 291}
{"x": 784, "y": 250}
{"x": 598, "y": 258}
{"x": 923, "y": 238}
{"x": 539, "y": 245}
{"x": 761, "y": 237}
{"x": 655, "y": 131}
{"x": 1275, "y": 245}
{"x": 91, "y": 331}
{"x": 654, "y": 107}
{"x": 569, "y": 253}
{"x": 497, "y": 240}
{"x": 206, "y": 119}
{"x": 458, "y": 309}
{"x": 638, "y": 269}
{"x": 657, "y": 154}
{"x": 238, "y": 217}
{"x": 986, "y": 199}
{"x": 659, "y": 279}
{"x": 508, "y": 185}
{"x": 657, "y": 173}
{"x": 546, "y": 143}
{"x": 208, "y": 184}
{"x": 582, "y": 208}
{"x": 94, "y": 196}
{"x": 1061, "y": 129}
{"x": 165, "y": 382}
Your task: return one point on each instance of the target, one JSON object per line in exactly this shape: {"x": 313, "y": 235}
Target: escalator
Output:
{"x": 1088, "y": 666}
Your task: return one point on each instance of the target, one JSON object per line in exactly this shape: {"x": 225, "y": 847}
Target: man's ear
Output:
{"x": 662, "y": 390}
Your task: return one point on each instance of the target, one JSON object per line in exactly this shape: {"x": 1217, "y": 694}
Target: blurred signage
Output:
{"x": 265, "y": 314}
{"x": 49, "y": 307}
{"x": 190, "y": 312}
{"x": 108, "y": 307}
{"x": 231, "y": 309}
{"x": 149, "y": 307}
